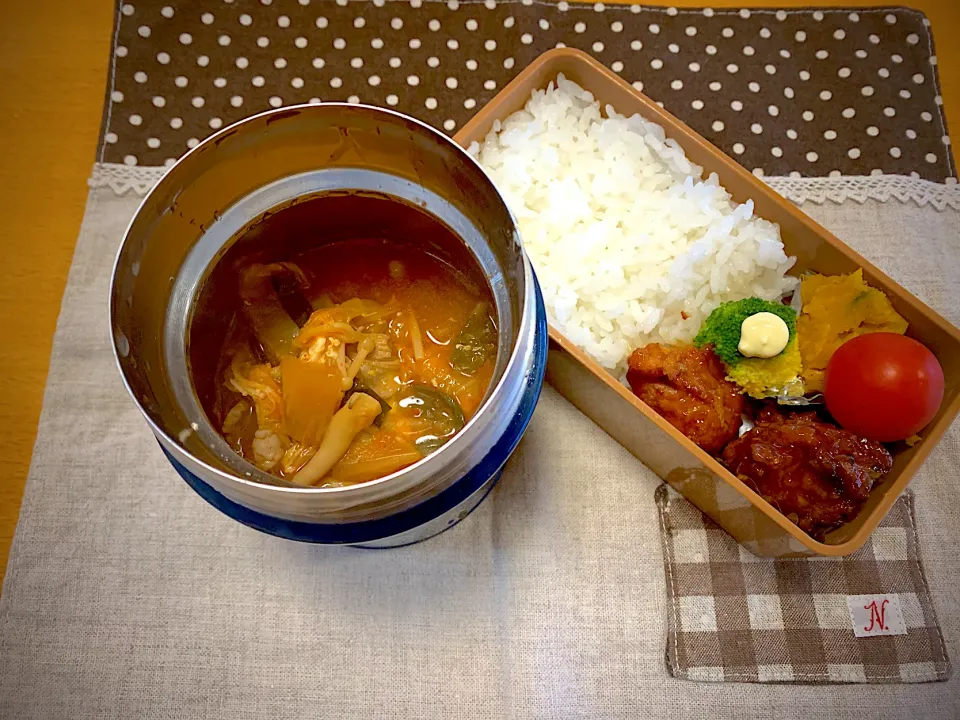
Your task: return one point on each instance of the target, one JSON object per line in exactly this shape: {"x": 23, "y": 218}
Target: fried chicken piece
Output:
{"x": 688, "y": 387}
{"x": 815, "y": 473}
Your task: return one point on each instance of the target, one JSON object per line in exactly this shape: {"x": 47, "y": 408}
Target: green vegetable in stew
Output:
{"x": 476, "y": 342}
{"x": 440, "y": 411}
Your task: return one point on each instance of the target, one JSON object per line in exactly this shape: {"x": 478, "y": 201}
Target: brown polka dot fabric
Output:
{"x": 805, "y": 92}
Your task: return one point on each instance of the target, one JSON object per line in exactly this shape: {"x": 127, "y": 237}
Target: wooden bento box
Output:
{"x": 754, "y": 523}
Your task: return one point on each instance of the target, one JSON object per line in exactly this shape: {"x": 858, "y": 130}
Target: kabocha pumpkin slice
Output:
{"x": 836, "y": 309}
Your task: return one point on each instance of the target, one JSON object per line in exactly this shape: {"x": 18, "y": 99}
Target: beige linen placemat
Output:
{"x": 127, "y": 596}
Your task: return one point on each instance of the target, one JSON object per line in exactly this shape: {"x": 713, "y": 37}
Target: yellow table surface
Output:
{"x": 53, "y": 70}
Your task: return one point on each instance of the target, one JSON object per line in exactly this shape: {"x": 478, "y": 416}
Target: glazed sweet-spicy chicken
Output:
{"x": 688, "y": 387}
{"x": 816, "y": 474}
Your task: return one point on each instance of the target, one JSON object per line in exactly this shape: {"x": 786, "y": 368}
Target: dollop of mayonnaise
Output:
{"x": 763, "y": 335}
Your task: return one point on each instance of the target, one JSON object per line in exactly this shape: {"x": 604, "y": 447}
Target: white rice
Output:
{"x": 624, "y": 233}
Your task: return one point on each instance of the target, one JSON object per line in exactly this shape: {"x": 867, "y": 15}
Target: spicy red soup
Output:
{"x": 352, "y": 360}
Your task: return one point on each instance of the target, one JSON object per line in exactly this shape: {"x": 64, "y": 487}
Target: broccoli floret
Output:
{"x": 722, "y": 327}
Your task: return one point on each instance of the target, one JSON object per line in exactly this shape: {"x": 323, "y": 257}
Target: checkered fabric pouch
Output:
{"x": 865, "y": 618}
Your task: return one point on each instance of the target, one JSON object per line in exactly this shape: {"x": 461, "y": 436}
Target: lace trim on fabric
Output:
{"x": 125, "y": 178}
{"x": 882, "y": 188}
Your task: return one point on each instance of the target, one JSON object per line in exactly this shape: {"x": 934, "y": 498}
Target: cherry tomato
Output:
{"x": 883, "y": 386}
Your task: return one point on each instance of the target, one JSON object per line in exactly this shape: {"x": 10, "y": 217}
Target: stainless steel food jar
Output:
{"x": 218, "y": 195}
